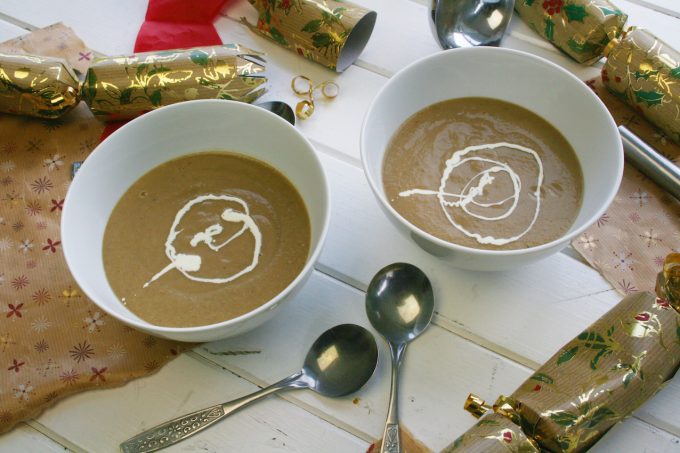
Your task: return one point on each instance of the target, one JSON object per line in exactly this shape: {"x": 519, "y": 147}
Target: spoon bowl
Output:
{"x": 280, "y": 108}
{"x": 469, "y": 23}
{"x": 399, "y": 302}
{"x": 339, "y": 362}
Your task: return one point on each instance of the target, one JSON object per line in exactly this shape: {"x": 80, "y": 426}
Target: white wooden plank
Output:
{"x": 671, "y": 7}
{"x": 24, "y": 438}
{"x": 100, "y": 420}
{"x": 662, "y": 25}
{"x": 636, "y": 436}
{"x": 439, "y": 371}
{"x": 9, "y": 31}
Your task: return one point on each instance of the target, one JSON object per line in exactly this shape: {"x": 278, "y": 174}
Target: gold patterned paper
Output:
{"x": 668, "y": 282}
{"x": 37, "y": 86}
{"x": 579, "y": 28}
{"x": 644, "y": 72}
{"x": 597, "y": 379}
{"x": 328, "y": 32}
{"x": 118, "y": 88}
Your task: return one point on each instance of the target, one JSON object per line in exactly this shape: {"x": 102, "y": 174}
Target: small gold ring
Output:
{"x": 329, "y": 89}
{"x": 307, "y": 80}
{"x": 304, "y": 109}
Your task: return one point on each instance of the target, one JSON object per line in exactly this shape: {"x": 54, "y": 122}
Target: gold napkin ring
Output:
{"x": 304, "y": 86}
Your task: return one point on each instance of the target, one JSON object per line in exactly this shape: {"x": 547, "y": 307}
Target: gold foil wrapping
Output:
{"x": 37, "y": 86}
{"x": 580, "y": 28}
{"x": 493, "y": 434}
{"x": 117, "y": 88}
{"x": 668, "y": 283}
{"x": 644, "y": 71}
{"x": 331, "y": 33}
{"x": 594, "y": 381}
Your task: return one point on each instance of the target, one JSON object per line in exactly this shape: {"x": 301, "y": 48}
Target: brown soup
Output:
{"x": 483, "y": 173}
{"x": 205, "y": 238}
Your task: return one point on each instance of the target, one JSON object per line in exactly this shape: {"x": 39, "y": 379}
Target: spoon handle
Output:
{"x": 391, "y": 438}
{"x": 180, "y": 428}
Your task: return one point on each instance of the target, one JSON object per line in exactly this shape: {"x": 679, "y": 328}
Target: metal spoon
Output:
{"x": 339, "y": 362}
{"x": 399, "y": 304}
{"x": 280, "y": 108}
{"x": 468, "y": 23}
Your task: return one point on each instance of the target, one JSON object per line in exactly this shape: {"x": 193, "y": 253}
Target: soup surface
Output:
{"x": 483, "y": 173}
{"x": 205, "y": 238}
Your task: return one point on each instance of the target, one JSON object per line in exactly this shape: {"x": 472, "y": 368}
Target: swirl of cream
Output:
{"x": 192, "y": 263}
{"x": 469, "y": 193}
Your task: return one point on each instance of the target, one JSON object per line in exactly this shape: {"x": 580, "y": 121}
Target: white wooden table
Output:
{"x": 489, "y": 332}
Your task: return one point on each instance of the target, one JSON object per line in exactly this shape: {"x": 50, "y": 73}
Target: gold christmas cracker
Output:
{"x": 331, "y": 33}
{"x": 580, "y": 28}
{"x": 596, "y": 380}
{"x": 644, "y": 72}
{"x": 118, "y": 88}
{"x": 37, "y": 86}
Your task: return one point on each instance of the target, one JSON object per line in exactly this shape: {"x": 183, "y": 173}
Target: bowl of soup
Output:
{"x": 490, "y": 158}
{"x": 196, "y": 221}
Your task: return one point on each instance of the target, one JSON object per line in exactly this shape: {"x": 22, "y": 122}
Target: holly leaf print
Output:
{"x": 321, "y": 40}
{"x": 199, "y": 57}
{"x": 651, "y": 98}
{"x": 601, "y": 414}
{"x": 567, "y": 355}
{"x": 563, "y": 418}
{"x": 125, "y": 96}
{"x": 528, "y": 2}
{"x": 312, "y": 26}
{"x": 157, "y": 70}
{"x": 677, "y": 330}
{"x": 628, "y": 378}
{"x": 580, "y": 47}
{"x": 542, "y": 377}
{"x": 337, "y": 12}
{"x": 675, "y": 73}
{"x": 549, "y": 29}
{"x": 155, "y": 97}
{"x": 141, "y": 68}
{"x": 277, "y": 36}
{"x": 644, "y": 74}
{"x": 484, "y": 422}
{"x": 610, "y": 12}
{"x": 575, "y": 13}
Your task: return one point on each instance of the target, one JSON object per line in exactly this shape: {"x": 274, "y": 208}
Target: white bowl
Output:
{"x": 517, "y": 77}
{"x": 158, "y": 137}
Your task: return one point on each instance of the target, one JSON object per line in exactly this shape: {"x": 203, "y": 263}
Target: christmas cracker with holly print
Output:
{"x": 43, "y": 87}
{"x": 118, "y": 88}
{"x": 329, "y": 32}
{"x": 644, "y": 72}
{"x": 596, "y": 380}
{"x": 580, "y": 28}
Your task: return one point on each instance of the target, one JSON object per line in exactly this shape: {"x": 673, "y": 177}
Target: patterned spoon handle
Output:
{"x": 171, "y": 432}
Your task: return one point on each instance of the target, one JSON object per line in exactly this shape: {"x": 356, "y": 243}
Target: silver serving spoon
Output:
{"x": 468, "y": 23}
{"x": 399, "y": 304}
{"x": 280, "y": 108}
{"x": 339, "y": 362}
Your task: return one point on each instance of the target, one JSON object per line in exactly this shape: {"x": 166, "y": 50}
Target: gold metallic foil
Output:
{"x": 331, "y": 33}
{"x": 596, "y": 380}
{"x": 668, "y": 283}
{"x": 37, "y": 86}
{"x": 579, "y": 28}
{"x": 493, "y": 433}
{"x": 124, "y": 87}
{"x": 644, "y": 72}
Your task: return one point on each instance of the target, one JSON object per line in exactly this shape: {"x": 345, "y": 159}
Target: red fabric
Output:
{"x": 175, "y": 24}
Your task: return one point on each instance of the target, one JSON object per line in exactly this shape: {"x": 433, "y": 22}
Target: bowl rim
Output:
{"x": 451, "y": 53}
{"x": 307, "y": 268}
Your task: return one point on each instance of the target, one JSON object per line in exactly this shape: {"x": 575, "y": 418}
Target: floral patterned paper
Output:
{"x": 53, "y": 340}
